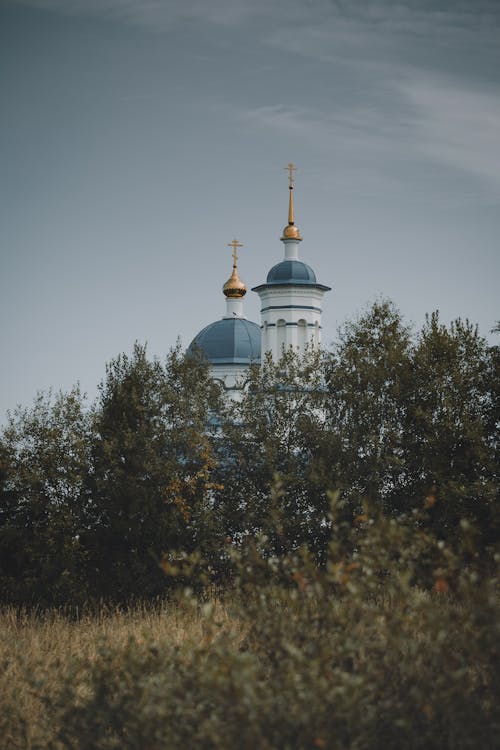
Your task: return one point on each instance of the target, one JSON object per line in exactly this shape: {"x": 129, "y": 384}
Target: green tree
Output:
{"x": 273, "y": 464}
{"x": 451, "y": 426}
{"x": 417, "y": 418}
{"x": 388, "y": 418}
{"x": 44, "y": 458}
{"x": 152, "y": 463}
{"x": 368, "y": 376}
{"x": 94, "y": 502}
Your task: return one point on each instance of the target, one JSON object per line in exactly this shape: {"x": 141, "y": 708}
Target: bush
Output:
{"x": 353, "y": 656}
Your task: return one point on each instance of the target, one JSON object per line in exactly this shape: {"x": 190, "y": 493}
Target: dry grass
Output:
{"x": 295, "y": 668}
{"x": 36, "y": 650}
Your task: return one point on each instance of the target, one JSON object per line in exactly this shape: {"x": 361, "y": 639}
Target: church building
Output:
{"x": 291, "y": 300}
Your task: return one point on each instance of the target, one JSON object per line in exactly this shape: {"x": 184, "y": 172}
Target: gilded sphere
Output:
{"x": 291, "y": 232}
{"x": 234, "y": 288}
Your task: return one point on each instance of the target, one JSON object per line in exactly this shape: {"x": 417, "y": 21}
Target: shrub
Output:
{"x": 356, "y": 655}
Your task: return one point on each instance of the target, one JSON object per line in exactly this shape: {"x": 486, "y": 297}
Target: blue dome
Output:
{"x": 291, "y": 272}
{"x": 229, "y": 341}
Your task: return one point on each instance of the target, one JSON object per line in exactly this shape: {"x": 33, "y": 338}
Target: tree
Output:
{"x": 273, "y": 448}
{"x": 368, "y": 376}
{"x": 95, "y": 502}
{"x": 151, "y": 469}
{"x": 417, "y": 418}
{"x": 451, "y": 426}
{"x": 44, "y": 458}
{"x": 388, "y": 419}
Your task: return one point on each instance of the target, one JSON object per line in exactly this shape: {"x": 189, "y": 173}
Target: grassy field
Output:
{"x": 40, "y": 651}
{"x": 288, "y": 670}
{"x": 393, "y": 644}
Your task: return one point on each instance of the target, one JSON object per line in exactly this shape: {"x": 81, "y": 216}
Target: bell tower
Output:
{"x": 291, "y": 298}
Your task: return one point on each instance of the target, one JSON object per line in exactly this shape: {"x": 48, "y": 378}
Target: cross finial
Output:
{"x": 291, "y": 169}
{"x": 291, "y": 232}
{"x": 234, "y": 244}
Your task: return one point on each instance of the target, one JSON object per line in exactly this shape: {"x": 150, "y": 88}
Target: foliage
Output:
{"x": 91, "y": 499}
{"x": 100, "y": 502}
{"x": 270, "y": 447}
{"x": 151, "y": 463}
{"x": 387, "y": 418}
{"x": 351, "y": 656}
{"x": 451, "y": 430}
{"x": 44, "y": 458}
{"x": 369, "y": 376}
{"x": 39, "y": 650}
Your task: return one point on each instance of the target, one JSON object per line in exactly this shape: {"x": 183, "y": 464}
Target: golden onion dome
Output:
{"x": 234, "y": 288}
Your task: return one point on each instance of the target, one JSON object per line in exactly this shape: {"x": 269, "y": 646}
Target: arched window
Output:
{"x": 281, "y": 335}
{"x": 301, "y": 334}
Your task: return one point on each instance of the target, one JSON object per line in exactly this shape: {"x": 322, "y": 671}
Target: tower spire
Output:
{"x": 291, "y": 232}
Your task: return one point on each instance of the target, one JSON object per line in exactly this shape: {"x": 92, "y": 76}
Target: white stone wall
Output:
{"x": 290, "y": 317}
{"x": 232, "y": 378}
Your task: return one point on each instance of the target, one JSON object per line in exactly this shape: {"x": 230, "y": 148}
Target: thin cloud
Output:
{"x": 418, "y": 101}
{"x": 441, "y": 122}
{"x": 357, "y": 140}
{"x": 457, "y": 127}
{"x": 370, "y": 40}
{"x": 282, "y": 118}
{"x": 403, "y": 101}
{"x": 152, "y": 15}
{"x": 356, "y": 129}
{"x": 394, "y": 16}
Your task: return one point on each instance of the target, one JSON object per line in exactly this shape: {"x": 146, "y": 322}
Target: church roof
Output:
{"x": 291, "y": 272}
{"x": 229, "y": 341}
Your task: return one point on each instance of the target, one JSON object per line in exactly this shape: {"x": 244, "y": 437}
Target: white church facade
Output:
{"x": 291, "y": 306}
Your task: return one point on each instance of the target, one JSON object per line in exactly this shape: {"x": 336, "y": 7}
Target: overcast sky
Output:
{"x": 138, "y": 137}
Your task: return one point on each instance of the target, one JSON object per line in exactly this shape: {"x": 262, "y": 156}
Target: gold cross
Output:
{"x": 291, "y": 169}
{"x": 234, "y": 244}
